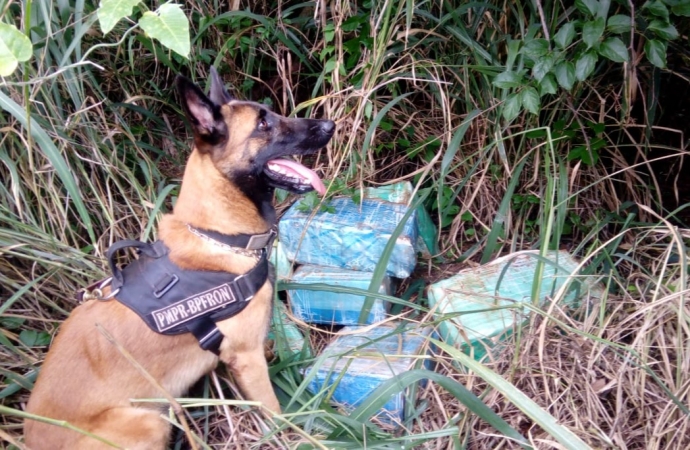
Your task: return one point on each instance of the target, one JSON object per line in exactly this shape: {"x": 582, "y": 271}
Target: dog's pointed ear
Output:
{"x": 218, "y": 94}
{"x": 204, "y": 115}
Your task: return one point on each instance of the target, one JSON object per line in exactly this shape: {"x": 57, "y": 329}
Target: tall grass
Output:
{"x": 92, "y": 149}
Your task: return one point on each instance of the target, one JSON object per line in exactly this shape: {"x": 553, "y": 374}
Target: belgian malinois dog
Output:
{"x": 227, "y": 191}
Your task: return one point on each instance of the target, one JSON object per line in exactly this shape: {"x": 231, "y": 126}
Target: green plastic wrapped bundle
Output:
{"x": 484, "y": 303}
{"x": 286, "y": 336}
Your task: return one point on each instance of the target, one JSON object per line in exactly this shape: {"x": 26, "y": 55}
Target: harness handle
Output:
{"x": 150, "y": 250}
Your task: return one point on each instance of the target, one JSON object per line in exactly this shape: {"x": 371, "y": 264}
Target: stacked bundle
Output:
{"x": 341, "y": 249}
{"x": 475, "y": 309}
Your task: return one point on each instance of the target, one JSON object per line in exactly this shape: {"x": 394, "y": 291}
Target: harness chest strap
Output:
{"x": 172, "y": 300}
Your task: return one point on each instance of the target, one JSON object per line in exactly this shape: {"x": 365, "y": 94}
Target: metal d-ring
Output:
{"x": 98, "y": 292}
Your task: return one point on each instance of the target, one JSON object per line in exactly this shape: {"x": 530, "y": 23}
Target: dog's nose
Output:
{"x": 327, "y": 126}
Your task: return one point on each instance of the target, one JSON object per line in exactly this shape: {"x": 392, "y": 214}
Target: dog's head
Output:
{"x": 248, "y": 142}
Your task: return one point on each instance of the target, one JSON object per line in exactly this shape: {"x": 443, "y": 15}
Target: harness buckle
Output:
{"x": 258, "y": 241}
{"x": 241, "y": 290}
{"x": 211, "y": 341}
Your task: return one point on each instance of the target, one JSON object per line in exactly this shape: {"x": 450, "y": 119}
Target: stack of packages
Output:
{"x": 342, "y": 248}
{"x": 475, "y": 309}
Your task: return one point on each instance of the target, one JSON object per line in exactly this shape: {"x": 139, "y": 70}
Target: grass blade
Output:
{"x": 382, "y": 394}
{"x": 380, "y": 270}
{"x": 53, "y": 155}
{"x": 563, "y": 435}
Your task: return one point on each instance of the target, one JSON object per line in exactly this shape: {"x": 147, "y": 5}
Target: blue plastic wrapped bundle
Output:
{"x": 332, "y": 307}
{"x": 358, "y": 365}
{"x": 402, "y": 193}
{"x": 352, "y": 237}
{"x": 491, "y": 309}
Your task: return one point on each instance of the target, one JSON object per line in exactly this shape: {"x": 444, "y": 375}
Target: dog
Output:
{"x": 235, "y": 165}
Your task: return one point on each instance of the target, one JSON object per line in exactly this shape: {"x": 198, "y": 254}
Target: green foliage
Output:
{"x": 573, "y": 52}
{"x": 112, "y": 11}
{"x": 168, "y": 24}
{"x": 33, "y": 338}
{"x": 311, "y": 201}
{"x": 15, "y": 47}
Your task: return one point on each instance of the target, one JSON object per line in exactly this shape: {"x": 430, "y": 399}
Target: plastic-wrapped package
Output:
{"x": 352, "y": 237}
{"x": 361, "y": 362}
{"x": 334, "y": 307}
{"x": 490, "y": 308}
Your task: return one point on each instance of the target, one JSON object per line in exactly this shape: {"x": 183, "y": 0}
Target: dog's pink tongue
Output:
{"x": 302, "y": 172}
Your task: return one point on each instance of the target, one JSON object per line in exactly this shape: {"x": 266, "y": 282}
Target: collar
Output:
{"x": 241, "y": 244}
{"x": 172, "y": 300}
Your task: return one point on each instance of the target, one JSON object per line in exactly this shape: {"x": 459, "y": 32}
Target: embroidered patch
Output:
{"x": 192, "y": 307}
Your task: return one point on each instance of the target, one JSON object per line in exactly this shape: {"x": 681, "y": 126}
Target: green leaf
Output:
{"x": 32, "y": 338}
{"x": 565, "y": 74}
{"x": 682, "y": 9}
{"x": 11, "y": 323}
{"x": 590, "y": 7}
{"x": 656, "y": 52}
{"x": 585, "y": 65}
{"x": 592, "y": 31}
{"x": 565, "y": 35}
{"x": 663, "y": 29}
{"x": 16, "y": 382}
{"x": 656, "y": 8}
{"x": 588, "y": 157}
{"x": 512, "y": 107}
{"x": 498, "y": 225}
{"x": 329, "y": 32}
{"x": 530, "y": 100}
{"x": 507, "y": 80}
{"x": 542, "y": 67}
{"x": 614, "y": 49}
{"x": 112, "y": 11}
{"x": 597, "y": 143}
{"x": 620, "y": 23}
{"x": 547, "y": 85}
{"x": 598, "y": 128}
{"x": 535, "y": 48}
{"x": 15, "y": 47}
{"x": 382, "y": 394}
{"x": 330, "y": 65}
{"x": 168, "y": 25}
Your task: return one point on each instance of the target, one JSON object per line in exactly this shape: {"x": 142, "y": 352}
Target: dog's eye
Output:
{"x": 263, "y": 125}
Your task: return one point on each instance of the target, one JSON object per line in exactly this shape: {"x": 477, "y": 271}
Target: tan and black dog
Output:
{"x": 226, "y": 191}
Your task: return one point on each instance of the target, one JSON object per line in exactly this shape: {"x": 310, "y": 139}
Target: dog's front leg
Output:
{"x": 250, "y": 370}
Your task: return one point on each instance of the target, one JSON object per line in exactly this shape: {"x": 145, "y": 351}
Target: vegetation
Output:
{"x": 525, "y": 124}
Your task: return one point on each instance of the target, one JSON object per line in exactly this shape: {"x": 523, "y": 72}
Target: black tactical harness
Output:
{"x": 172, "y": 300}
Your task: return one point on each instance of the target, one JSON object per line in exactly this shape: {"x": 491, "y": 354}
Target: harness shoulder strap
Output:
{"x": 172, "y": 300}
{"x": 155, "y": 250}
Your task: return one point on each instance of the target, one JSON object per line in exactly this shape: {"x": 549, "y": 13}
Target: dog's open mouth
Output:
{"x": 293, "y": 176}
